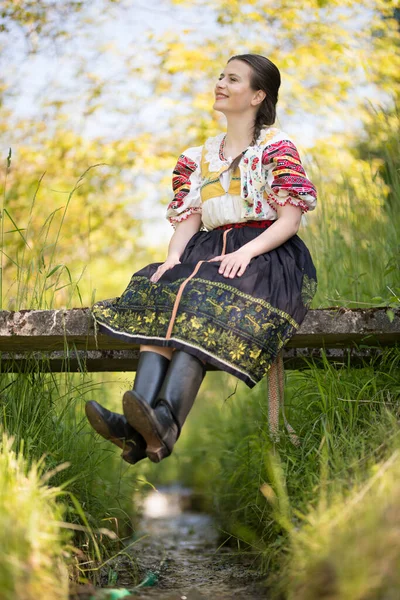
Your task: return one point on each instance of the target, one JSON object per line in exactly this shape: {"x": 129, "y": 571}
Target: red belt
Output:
{"x": 257, "y": 224}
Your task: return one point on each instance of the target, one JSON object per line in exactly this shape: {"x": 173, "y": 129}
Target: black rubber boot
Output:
{"x": 161, "y": 424}
{"x": 151, "y": 370}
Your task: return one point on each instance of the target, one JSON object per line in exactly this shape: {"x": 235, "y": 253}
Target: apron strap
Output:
{"x": 276, "y": 396}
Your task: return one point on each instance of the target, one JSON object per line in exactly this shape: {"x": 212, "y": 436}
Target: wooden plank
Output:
{"x": 126, "y": 360}
{"x": 49, "y": 330}
{"x": 66, "y": 340}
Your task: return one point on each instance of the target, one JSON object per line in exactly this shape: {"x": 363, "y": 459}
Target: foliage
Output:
{"x": 73, "y": 206}
{"x": 80, "y": 212}
{"x": 39, "y": 19}
{"x": 44, "y": 414}
{"x": 44, "y": 411}
{"x": 333, "y": 56}
{"x": 349, "y": 547}
{"x": 127, "y": 175}
{"x": 32, "y": 544}
{"x": 353, "y": 237}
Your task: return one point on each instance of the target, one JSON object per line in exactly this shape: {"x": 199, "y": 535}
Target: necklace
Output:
{"x": 221, "y": 153}
{"x": 221, "y": 149}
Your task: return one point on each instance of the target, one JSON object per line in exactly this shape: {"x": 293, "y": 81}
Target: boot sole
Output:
{"x": 138, "y": 416}
{"x": 101, "y": 427}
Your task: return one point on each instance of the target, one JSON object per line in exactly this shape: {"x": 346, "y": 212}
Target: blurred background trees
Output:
{"x": 116, "y": 90}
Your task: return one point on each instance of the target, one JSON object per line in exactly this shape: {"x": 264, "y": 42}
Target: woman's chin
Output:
{"x": 217, "y": 106}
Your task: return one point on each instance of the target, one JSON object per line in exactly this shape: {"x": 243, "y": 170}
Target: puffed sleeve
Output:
{"x": 286, "y": 178}
{"x": 186, "y": 181}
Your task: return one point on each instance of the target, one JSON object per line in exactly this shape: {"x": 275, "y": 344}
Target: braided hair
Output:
{"x": 264, "y": 76}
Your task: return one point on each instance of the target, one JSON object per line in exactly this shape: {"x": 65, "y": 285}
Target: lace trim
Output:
{"x": 212, "y": 156}
{"x": 214, "y": 148}
{"x": 288, "y": 200}
{"x": 183, "y": 216}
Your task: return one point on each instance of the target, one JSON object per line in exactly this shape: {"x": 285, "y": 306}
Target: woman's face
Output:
{"x": 233, "y": 93}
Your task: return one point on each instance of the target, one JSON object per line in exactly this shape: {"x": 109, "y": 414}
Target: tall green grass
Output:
{"x": 38, "y": 276}
{"x": 348, "y": 548}
{"x": 353, "y": 236}
{"x": 33, "y": 543}
{"x": 44, "y": 412}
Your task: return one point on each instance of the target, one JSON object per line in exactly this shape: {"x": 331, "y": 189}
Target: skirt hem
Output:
{"x": 179, "y": 345}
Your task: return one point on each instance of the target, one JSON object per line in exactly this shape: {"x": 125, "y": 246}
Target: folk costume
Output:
{"x": 239, "y": 325}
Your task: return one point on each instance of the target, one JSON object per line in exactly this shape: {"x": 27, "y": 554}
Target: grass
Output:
{"x": 44, "y": 412}
{"x": 33, "y": 543}
{"x": 349, "y": 547}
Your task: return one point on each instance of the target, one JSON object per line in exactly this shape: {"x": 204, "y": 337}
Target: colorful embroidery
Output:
{"x": 186, "y": 214}
{"x": 208, "y": 181}
{"x": 254, "y": 180}
{"x": 271, "y": 175}
{"x": 243, "y": 332}
{"x": 181, "y": 180}
{"x": 289, "y": 175}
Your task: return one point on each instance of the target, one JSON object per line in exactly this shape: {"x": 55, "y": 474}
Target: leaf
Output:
{"x": 390, "y": 315}
{"x": 53, "y": 271}
{"x": 16, "y": 226}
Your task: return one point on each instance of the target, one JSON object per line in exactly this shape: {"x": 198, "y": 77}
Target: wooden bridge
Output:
{"x": 65, "y": 340}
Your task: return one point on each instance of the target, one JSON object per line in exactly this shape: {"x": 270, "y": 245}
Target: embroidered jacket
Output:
{"x": 269, "y": 174}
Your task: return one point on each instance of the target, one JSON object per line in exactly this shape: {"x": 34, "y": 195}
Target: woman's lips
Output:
{"x": 218, "y": 96}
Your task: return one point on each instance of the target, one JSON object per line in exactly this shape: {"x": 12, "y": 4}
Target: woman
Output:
{"x": 231, "y": 294}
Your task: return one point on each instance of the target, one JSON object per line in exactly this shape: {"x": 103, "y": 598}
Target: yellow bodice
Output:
{"x": 211, "y": 185}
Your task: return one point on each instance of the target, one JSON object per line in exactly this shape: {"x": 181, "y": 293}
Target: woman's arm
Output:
{"x": 183, "y": 232}
{"x": 286, "y": 226}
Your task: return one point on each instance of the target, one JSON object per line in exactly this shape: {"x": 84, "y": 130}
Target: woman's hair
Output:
{"x": 264, "y": 76}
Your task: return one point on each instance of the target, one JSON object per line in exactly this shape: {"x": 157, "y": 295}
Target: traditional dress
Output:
{"x": 240, "y": 324}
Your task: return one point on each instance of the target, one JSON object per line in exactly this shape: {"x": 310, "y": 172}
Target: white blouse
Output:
{"x": 271, "y": 174}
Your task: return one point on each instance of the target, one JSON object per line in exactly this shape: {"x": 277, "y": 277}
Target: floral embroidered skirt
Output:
{"x": 238, "y": 325}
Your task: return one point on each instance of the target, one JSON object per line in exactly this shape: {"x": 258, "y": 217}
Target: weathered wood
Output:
{"x": 126, "y": 360}
{"x": 49, "y": 330}
{"x": 65, "y": 339}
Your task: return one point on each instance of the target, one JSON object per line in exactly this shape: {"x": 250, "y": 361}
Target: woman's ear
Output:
{"x": 258, "y": 97}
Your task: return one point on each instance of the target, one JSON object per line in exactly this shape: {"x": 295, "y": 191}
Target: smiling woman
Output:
{"x": 237, "y": 281}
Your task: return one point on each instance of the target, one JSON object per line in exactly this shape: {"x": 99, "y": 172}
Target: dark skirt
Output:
{"x": 238, "y": 325}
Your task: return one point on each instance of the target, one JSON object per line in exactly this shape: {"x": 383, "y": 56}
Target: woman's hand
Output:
{"x": 169, "y": 263}
{"x": 233, "y": 264}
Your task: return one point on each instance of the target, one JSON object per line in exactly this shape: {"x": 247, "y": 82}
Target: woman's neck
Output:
{"x": 239, "y": 134}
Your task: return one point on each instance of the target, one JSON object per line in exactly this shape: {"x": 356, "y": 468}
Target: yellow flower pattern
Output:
{"x": 308, "y": 290}
{"x": 240, "y": 330}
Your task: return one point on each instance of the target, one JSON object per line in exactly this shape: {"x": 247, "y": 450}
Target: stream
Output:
{"x": 180, "y": 547}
